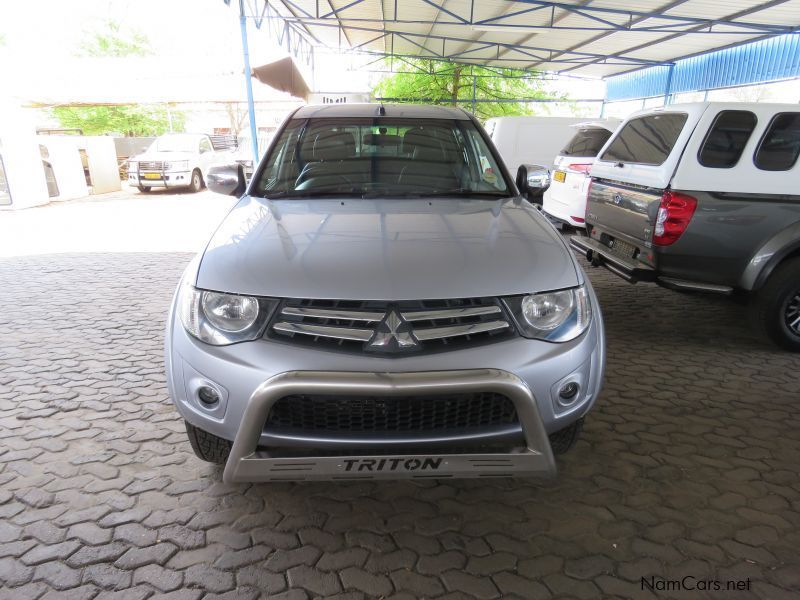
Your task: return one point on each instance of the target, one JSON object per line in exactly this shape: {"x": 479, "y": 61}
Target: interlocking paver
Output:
{"x": 164, "y": 580}
{"x": 139, "y": 557}
{"x": 683, "y": 467}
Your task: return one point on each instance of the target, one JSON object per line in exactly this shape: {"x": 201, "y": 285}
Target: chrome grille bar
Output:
{"x": 342, "y": 333}
{"x": 436, "y": 333}
{"x": 450, "y": 313}
{"x": 332, "y": 313}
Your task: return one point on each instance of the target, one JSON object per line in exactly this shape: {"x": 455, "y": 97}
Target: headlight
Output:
{"x": 221, "y": 319}
{"x": 553, "y": 316}
{"x": 133, "y": 165}
{"x": 178, "y": 165}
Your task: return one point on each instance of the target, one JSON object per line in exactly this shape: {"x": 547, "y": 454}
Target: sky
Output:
{"x": 195, "y": 35}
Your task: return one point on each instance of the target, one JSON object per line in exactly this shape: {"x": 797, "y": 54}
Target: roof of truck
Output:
{"x": 407, "y": 111}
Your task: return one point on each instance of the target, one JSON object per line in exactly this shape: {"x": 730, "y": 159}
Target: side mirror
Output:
{"x": 226, "y": 179}
{"x": 532, "y": 180}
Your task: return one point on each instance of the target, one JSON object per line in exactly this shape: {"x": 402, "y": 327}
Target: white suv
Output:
{"x": 173, "y": 160}
{"x": 565, "y": 199}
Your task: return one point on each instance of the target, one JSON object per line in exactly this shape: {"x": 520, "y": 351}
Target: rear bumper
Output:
{"x": 248, "y": 462}
{"x": 633, "y": 270}
{"x": 562, "y": 203}
{"x": 601, "y": 255}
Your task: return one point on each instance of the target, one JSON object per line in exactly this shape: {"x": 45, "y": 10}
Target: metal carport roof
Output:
{"x": 595, "y": 38}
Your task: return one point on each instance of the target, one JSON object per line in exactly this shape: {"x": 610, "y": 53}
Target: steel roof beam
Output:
{"x": 596, "y": 38}
{"x": 741, "y": 13}
{"x": 502, "y": 45}
{"x": 634, "y": 14}
{"x": 600, "y": 15}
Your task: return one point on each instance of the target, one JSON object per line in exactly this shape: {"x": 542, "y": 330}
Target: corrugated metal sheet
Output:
{"x": 758, "y": 62}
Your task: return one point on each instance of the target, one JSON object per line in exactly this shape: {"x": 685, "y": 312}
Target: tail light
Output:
{"x": 674, "y": 214}
{"x": 580, "y": 167}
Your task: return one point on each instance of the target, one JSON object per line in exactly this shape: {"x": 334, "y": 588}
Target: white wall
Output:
{"x": 23, "y": 163}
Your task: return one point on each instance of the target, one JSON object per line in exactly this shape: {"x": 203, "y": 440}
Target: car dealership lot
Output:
{"x": 687, "y": 467}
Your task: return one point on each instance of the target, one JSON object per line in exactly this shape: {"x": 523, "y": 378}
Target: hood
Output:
{"x": 385, "y": 250}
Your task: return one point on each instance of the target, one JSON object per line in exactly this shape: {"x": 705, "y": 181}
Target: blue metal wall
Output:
{"x": 766, "y": 60}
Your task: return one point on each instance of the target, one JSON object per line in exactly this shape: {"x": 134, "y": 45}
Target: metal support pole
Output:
{"x": 248, "y": 80}
{"x": 603, "y": 110}
{"x": 668, "y": 87}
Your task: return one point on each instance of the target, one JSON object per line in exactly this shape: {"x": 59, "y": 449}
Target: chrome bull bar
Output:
{"x": 249, "y": 463}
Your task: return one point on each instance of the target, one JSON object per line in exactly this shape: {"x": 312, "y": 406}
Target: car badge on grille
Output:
{"x": 393, "y": 332}
{"x": 617, "y": 198}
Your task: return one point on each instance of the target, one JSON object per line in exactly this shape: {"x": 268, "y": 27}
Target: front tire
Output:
{"x": 207, "y": 446}
{"x": 776, "y": 309}
{"x": 143, "y": 189}
{"x": 197, "y": 181}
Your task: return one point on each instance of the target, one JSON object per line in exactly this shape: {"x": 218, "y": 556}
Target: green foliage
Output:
{"x": 112, "y": 40}
{"x": 438, "y": 82}
{"x": 126, "y": 120}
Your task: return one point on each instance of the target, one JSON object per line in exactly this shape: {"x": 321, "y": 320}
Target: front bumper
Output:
{"x": 248, "y": 463}
{"x": 168, "y": 179}
{"x": 251, "y": 376}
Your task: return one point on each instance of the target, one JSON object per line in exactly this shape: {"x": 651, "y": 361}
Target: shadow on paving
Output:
{"x": 688, "y": 466}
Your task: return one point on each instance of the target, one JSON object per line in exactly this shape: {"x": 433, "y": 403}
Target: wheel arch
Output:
{"x": 782, "y": 246}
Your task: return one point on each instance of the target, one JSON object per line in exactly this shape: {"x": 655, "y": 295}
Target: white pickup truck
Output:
{"x": 173, "y": 160}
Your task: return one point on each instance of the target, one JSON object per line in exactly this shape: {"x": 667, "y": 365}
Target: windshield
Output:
{"x": 646, "y": 140}
{"x": 381, "y": 157}
{"x": 587, "y": 142}
{"x": 175, "y": 143}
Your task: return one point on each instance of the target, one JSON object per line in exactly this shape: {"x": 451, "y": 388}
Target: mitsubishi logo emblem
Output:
{"x": 393, "y": 333}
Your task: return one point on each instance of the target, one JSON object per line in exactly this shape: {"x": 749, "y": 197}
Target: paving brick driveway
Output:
{"x": 688, "y": 466}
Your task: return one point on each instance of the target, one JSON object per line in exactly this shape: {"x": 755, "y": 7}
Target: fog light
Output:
{"x": 208, "y": 395}
{"x": 569, "y": 392}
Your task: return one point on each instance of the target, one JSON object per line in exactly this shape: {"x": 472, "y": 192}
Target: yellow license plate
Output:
{"x": 560, "y": 176}
{"x": 151, "y": 175}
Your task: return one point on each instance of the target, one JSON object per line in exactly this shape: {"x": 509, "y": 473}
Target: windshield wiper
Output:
{"x": 464, "y": 193}
{"x": 306, "y": 194}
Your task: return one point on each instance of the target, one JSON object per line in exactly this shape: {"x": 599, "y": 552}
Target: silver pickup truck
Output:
{"x": 382, "y": 303}
{"x": 704, "y": 197}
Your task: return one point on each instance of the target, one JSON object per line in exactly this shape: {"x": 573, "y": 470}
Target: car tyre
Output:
{"x": 143, "y": 189}
{"x": 207, "y": 446}
{"x": 777, "y": 306}
{"x": 197, "y": 181}
{"x": 563, "y": 440}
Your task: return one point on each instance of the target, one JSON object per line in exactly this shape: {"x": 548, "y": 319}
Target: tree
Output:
{"x": 237, "y": 116}
{"x": 137, "y": 120}
{"x": 438, "y": 82}
{"x": 112, "y": 40}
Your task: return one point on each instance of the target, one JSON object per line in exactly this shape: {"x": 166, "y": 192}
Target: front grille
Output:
{"x": 151, "y": 165}
{"x": 391, "y": 327}
{"x": 387, "y": 415}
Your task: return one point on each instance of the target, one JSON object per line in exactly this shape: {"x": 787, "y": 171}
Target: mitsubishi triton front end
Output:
{"x": 382, "y": 303}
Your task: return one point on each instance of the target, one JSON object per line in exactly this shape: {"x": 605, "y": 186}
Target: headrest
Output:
{"x": 423, "y": 145}
{"x": 334, "y": 145}
{"x": 382, "y": 140}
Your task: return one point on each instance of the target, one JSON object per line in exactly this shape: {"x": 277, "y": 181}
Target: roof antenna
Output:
{"x": 381, "y": 110}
